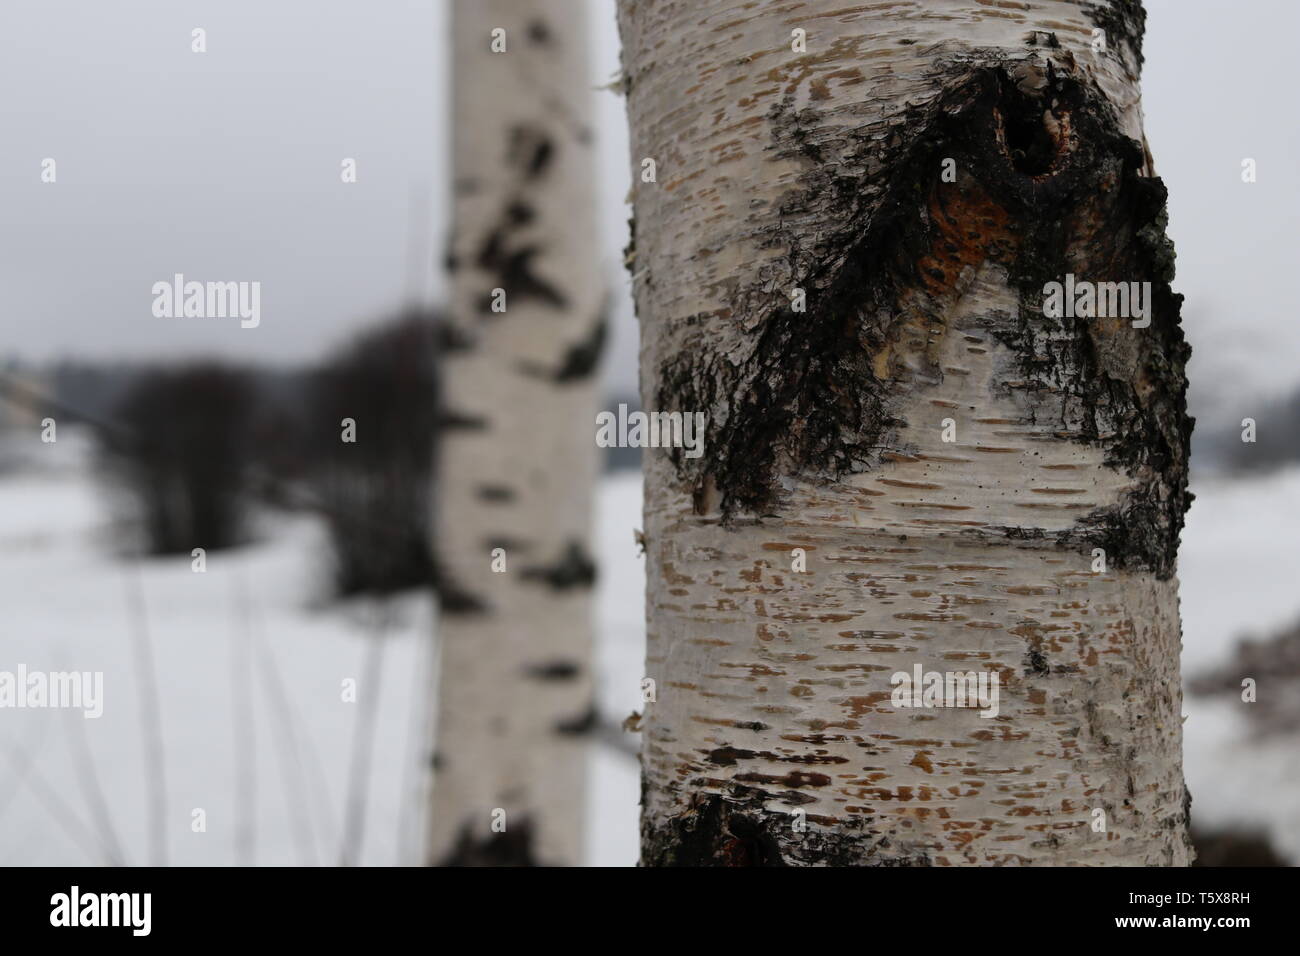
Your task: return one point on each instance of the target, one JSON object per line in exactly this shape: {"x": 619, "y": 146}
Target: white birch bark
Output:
{"x": 518, "y": 460}
{"x": 823, "y": 171}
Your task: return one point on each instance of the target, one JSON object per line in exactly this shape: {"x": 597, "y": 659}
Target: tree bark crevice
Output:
{"x": 815, "y": 393}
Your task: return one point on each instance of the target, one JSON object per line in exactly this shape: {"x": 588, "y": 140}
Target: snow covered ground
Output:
{"x": 1239, "y": 567}
{"x": 251, "y": 636}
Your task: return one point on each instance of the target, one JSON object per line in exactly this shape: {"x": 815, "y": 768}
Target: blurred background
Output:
{"x": 227, "y": 165}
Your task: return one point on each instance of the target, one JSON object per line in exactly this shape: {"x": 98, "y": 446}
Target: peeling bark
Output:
{"x": 823, "y": 172}
{"x": 518, "y": 463}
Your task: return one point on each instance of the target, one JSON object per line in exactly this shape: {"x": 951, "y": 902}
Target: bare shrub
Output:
{"x": 181, "y": 452}
{"x": 375, "y": 492}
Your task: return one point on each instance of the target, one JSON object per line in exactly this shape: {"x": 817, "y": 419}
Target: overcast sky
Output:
{"x": 226, "y": 166}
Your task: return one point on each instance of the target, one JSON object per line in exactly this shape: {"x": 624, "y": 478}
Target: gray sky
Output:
{"x": 223, "y": 165}
{"x": 226, "y": 166}
{"x": 1216, "y": 88}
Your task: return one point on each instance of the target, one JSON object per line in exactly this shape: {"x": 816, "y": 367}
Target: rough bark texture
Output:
{"x": 823, "y": 171}
{"x": 518, "y": 457}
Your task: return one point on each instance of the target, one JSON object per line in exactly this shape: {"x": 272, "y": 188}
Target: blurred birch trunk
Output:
{"x": 518, "y": 458}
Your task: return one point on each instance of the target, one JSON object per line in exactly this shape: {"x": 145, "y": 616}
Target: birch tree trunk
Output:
{"x": 844, "y": 262}
{"x": 518, "y": 459}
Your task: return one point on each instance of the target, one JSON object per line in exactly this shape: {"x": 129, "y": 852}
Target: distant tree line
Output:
{"x": 197, "y": 446}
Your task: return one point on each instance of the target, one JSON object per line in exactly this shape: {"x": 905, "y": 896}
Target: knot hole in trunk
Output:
{"x": 1032, "y": 130}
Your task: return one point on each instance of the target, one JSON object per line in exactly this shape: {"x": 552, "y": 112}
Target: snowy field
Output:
{"x": 251, "y": 635}
{"x": 1238, "y": 572}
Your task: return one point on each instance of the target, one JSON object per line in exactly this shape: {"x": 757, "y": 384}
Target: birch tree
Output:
{"x": 518, "y": 459}
{"x": 922, "y": 456}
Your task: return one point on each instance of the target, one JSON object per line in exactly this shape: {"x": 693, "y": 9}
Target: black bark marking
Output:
{"x": 555, "y": 670}
{"x": 1032, "y": 147}
{"x": 497, "y": 494}
{"x": 580, "y": 360}
{"x": 737, "y": 829}
{"x": 503, "y": 253}
{"x": 1036, "y": 664}
{"x": 1124, "y": 22}
{"x": 520, "y": 213}
{"x": 512, "y": 270}
{"x": 583, "y": 358}
{"x": 629, "y": 251}
{"x": 511, "y": 847}
{"x": 1046, "y": 185}
{"x": 539, "y": 33}
{"x": 573, "y": 569}
{"x": 455, "y": 421}
{"x": 1123, "y": 392}
{"x": 530, "y": 150}
{"x": 583, "y": 723}
{"x": 450, "y": 339}
{"x": 727, "y": 756}
{"x": 453, "y": 600}
{"x": 714, "y": 832}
